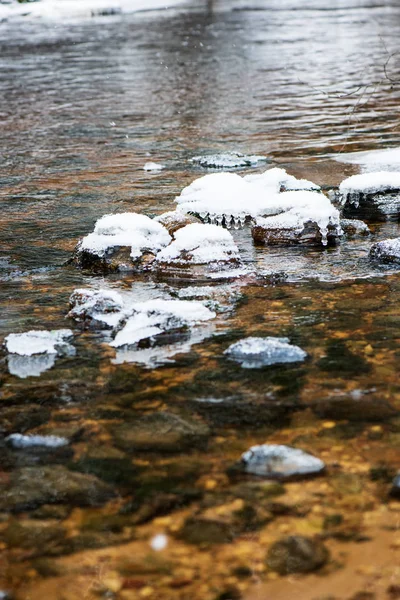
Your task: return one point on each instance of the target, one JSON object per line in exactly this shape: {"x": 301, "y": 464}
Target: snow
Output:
{"x": 228, "y": 160}
{"x": 386, "y": 250}
{"x": 126, "y": 229}
{"x": 354, "y": 226}
{"x": 159, "y": 542}
{"x": 372, "y": 161}
{"x": 272, "y": 460}
{"x": 256, "y": 352}
{"x": 17, "y": 440}
{"x": 152, "y": 166}
{"x": 76, "y": 9}
{"x": 278, "y": 178}
{"x": 101, "y": 305}
{"x": 369, "y": 183}
{"x": 157, "y": 316}
{"x": 200, "y": 244}
{"x": 39, "y": 342}
{"x": 300, "y": 207}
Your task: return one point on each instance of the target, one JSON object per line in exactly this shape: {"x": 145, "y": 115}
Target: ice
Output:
{"x": 388, "y": 159}
{"x": 228, "y": 160}
{"x": 102, "y": 306}
{"x": 19, "y": 441}
{"x": 369, "y": 183}
{"x": 300, "y": 207}
{"x": 256, "y": 352}
{"x": 152, "y": 166}
{"x": 30, "y": 366}
{"x": 354, "y": 226}
{"x": 39, "y": 342}
{"x": 200, "y": 244}
{"x": 137, "y": 231}
{"x": 280, "y": 462}
{"x": 387, "y": 251}
{"x": 154, "y": 317}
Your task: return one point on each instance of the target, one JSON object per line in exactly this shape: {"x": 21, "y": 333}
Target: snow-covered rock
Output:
{"x": 20, "y": 441}
{"x": 355, "y": 187}
{"x": 305, "y": 217}
{"x": 354, "y": 227}
{"x": 122, "y": 242}
{"x": 228, "y": 160}
{"x": 282, "y": 182}
{"x": 152, "y": 166}
{"x": 152, "y": 318}
{"x": 386, "y": 251}
{"x": 98, "y": 307}
{"x": 376, "y": 160}
{"x": 280, "y": 462}
{"x": 200, "y": 244}
{"x": 174, "y": 220}
{"x": 256, "y": 352}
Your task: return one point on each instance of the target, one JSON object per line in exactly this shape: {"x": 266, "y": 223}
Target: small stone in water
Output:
{"x": 387, "y": 251}
{"x": 159, "y": 542}
{"x": 296, "y": 554}
{"x": 280, "y": 462}
{"x": 255, "y": 352}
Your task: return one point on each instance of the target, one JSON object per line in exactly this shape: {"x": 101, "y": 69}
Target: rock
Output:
{"x": 175, "y": 220}
{"x": 228, "y": 160}
{"x": 280, "y": 462}
{"x": 354, "y": 227}
{"x": 357, "y": 406}
{"x": 254, "y": 352}
{"x": 267, "y": 232}
{"x": 296, "y": 554}
{"x": 372, "y": 196}
{"x": 386, "y": 251}
{"x": 13, "y": 419}
{"x": 395, "y": 490}
{"x": 31, "y": 487}
{"x": 96, "y": 308}
{"x": 161, "y": 432}
{"x": 41, "y": 536}
{"x": 200, "y": 530}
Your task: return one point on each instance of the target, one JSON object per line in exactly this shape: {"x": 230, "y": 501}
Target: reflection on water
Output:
{"x": 83, "y": 106}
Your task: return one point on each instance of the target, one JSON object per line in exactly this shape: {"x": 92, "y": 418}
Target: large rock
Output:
{"x": 161, "y": 432}
{"x": 255, "y": 352}
{"x": 386, "y": 251}
{"x": 280, "y": 462}
{"x": 296, "y": 554}
{"x": 373, "y": 196}
{"x": 174, "y": 220}
{"x": 31, "y": 487}
{"x": 270, "y": 233}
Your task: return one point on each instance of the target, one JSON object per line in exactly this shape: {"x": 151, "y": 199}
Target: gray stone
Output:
{"x": 296, "y": 554}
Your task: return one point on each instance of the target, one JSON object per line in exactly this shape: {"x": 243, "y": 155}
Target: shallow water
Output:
{"x": 83, "y": 105}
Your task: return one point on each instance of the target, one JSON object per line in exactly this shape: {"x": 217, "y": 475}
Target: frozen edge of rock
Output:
{"x": 386, "y": 251}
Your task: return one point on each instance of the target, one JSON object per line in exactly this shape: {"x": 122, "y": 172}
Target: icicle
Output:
{"x": 219, "y": 219}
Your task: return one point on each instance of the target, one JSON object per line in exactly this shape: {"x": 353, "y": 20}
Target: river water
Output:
{"x": 84, "y": 104}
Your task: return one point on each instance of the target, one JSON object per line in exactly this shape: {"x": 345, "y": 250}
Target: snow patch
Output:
{"x": 256, "y": 352}
{"x": 369, "y": 183}
{"x": 19, "y": 441}
{"x": 228, "y": 160}
{"x": 152, "y": 166}
{"x": 39, "y": 342}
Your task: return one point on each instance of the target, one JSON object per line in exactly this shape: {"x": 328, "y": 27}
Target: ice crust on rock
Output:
{"x": 136, "y": 231}
{"x": 281, "y": 181}
{"x": 280, "y": 462}
{"x": 20, "y": 441}
{"x": 152, "y": 166}
{"x": 228, "y": 160}
{"x": 354, "y": 226}
{"x": 154, "y": 317}
{"x": 200, "y": 244}
{"x": 39, "y": 342}
{"x": 368, "y": 184}
{"x": 256, "y": 352}
{"x": 386, "y": 251}
{"x": 102, "y": 306}
{"x": 372, "y": 160}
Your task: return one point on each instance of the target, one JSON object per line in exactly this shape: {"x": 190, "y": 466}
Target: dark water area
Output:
{"x": 84, "y": 104}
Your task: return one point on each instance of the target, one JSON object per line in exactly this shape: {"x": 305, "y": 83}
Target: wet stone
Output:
{"x": 173, "y": 221}
{"x": 354, "y": 227}
{"x": 386, "y": 251}
{"x": 253, "y": 352}
{"x": 200, "y": 530}
{"x": 310, "y": 235}
{"x": 161, "y": 432}
{"x": 30, "y": 487}
{"x": 280, "y": 462}
{"x": 395, "y": 490}
{"x": 296, "y": 554}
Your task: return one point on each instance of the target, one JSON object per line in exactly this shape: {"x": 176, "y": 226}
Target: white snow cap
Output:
{"x": 370, "y": 183}
{"x": 255, "y": 352}
{"x": 100, "y": 305}
{"x": 37, "y": 342}
{"x": 152, "y": 166}
{"x": 278, "y": 178}
{"x": 374, "y": 160}
{"x": 126, "y": 229}
{"x": 200, "y": 244}
{"x": 299, "y": 208}
{"x": 157, "y": 316}
{"x": 18, "y": 440}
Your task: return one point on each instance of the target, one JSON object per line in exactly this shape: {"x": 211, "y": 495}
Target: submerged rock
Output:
{"x": 386, "y": 251}
{"x": 255, "y": 352}
{"x": 121, "y": 242}
{"x": 30, "y": 487}
{"x": 228, "y": 160}
{"x": 296, "y": 554}
{"x": 280, "y": 462}
{"x": 199, "y": 244}
{"x": 161, "y": 432}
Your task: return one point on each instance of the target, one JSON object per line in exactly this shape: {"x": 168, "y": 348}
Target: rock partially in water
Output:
{"x": 161, "y": 432}
{"x": 255, "y": 352}
{"x": 228, "y": 160}
{"x": 34, "y": 352}
{"x": 121, "y": 243}
{"x": 200, "y": 530}
{"x": 30, "y": 487}
{"x": 296, "y": 554}
{"x": 280, "y": 462}
{"x": 282, "y": 181}
{"x": 386, "y": 251}
{"x": 152, "y": 166}
{"x": 370, "y": 183}
{"x": 20, "y": 441}
{"x": 174, "y": 220}
{"x": 354, "y": 227}
{"x": 99, "y": 308}
{"x": 395, "y": 491}
{"x": 199, "y": 244}
{"x": 374, "y": 196}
